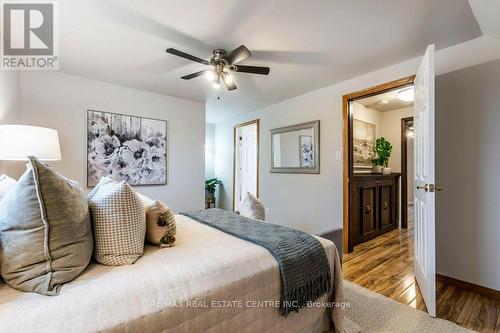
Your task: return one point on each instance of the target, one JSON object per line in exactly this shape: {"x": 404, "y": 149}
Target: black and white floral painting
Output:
{"x": 306, "y": 151}
{"x": 127, "y": 148}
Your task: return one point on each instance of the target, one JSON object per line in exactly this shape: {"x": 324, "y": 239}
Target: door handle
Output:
{"x": 430, "y": 187}
{"x": 423, "y": 187}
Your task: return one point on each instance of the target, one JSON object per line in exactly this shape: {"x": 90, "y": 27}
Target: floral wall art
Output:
{"x": 127, "y": 148}
{"x": 306, "y": 151}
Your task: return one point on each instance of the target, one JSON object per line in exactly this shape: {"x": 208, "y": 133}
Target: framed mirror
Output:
{"x": 295, "y": 148}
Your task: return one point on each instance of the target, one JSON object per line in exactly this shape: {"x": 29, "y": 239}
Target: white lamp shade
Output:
{"x": 17, "y": 142}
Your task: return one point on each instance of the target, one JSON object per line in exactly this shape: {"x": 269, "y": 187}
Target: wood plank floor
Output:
{"x": 385, "y": 265}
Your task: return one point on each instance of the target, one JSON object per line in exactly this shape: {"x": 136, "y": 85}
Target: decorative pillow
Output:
{"x": 6, "y": 184}
{"x": 252, "y": 207}
{"x": 146, "y": 201}
{"x": 160, "y": 224}
{"x": 45, "y": 232}
{"x": 118, "y": 221}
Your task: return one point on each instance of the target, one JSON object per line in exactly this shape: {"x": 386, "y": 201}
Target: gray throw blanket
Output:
{"x": 304, "y": 267}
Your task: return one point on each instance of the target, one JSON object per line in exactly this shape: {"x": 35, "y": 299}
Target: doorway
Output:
{"x": 372, "y": 199}
{"x": 407, "y": 168}
{"x": 378, "y": 224}
{"x": 418, "y": 259}
{"x": 245, "y": 161}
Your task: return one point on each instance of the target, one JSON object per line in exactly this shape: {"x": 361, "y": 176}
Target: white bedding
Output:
{"x": 171, "y": 290}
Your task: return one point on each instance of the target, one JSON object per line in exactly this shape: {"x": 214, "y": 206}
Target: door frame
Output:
{"x": 404, "y": 173}
{"x": 347, "y": 121}
{"x": 257, "y": 122}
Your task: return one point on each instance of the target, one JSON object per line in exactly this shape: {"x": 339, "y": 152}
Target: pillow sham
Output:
{"x": 6, "y": 184}
{"x": 45, "y": 232}
{"x": 146, "y": 201}
{"x": 252, "y": 207}
{"x": 160, "y": 224}
{"x": 118, "y": 222}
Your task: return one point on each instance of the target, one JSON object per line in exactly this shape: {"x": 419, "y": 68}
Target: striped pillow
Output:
{"x": 118, "y": 221}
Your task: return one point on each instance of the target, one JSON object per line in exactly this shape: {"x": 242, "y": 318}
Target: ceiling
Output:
{"x": 487, "y": 13}
{"x": 387, "y": 101}
{"x": 307, "y": 43}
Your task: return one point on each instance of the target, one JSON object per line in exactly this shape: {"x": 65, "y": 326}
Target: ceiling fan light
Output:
{"x": 210, "y": 75}
{"x": 216, "y": 84}
{"x": 406, "y": 95}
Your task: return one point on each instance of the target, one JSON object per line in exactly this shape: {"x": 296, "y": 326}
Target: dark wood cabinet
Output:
{"x": 374, "y": 204}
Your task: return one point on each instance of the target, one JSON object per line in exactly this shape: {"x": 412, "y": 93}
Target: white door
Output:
{"x": 246, "y": 162}
{"x": 424, "y": 182}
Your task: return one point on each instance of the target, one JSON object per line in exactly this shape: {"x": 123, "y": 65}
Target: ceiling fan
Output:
{"x": 223, "y": 65}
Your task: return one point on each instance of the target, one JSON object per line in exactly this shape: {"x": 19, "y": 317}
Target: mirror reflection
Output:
{"x": 294, "y": 148}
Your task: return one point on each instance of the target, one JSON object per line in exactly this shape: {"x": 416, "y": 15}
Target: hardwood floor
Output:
{"x": 385, "y": 265}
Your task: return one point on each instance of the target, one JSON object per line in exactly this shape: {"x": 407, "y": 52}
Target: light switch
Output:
{"x": 338, "y": 155}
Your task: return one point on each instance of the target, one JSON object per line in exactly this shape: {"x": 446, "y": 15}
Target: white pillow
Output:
{"x": 252, "y": 207}
{"x": 6, "y": 184}
{"x": 146, "y": 201}
{"x": 118, "y": 221}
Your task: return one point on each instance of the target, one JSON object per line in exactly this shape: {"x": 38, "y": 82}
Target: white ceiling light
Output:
{"x": 407, "y": 95}
{"x": 210, "y": 75}
{"x": 228, "y": 78}
{"x": 384, "y": 101}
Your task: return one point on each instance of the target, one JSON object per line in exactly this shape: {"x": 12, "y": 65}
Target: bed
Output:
{"x": 209, "y": 282}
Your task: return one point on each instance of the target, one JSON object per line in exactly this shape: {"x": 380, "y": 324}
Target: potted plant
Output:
{"x": 210, "y": 187}
{"x": 382, "y": 150}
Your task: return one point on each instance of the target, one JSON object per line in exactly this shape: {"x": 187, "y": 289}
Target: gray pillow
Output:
{"x": 45, "y": 235}
{"x": 252, "y": 207}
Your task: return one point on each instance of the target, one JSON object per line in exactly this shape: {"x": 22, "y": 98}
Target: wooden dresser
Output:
{"x": 373, "y": 206}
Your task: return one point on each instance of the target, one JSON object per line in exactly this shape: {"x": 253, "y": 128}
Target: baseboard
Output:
{"x": 491, "y": 293}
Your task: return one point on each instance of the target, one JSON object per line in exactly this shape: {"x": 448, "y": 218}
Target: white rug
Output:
{"x": 376, "y": 313}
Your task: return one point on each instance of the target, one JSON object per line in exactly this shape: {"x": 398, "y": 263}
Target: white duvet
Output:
{"x": 208, "y": 282}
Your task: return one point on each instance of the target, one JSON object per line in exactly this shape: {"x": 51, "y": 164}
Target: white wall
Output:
{"x": 209, "y": 150}
{"x": 9, "y": 108}
{"x": 390, "y": 129}
{"x": 467, "y": 165}
{"x": 369, "y": 115}
{"x": 9, "y": 96}
{"x": 313, "y": 203}
{"x": 60, "y": 101}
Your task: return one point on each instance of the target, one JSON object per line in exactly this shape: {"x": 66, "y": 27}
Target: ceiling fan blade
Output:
{"x": 253, "y": 69}
{"x": 187, "y": 56}
{"x": 193, "y": 75}
{"x": 238, "y": 54}
{"x": 228, "y": 81}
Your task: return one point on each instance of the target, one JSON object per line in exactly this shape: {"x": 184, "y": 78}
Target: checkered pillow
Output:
{"x": 118, "y": 221}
